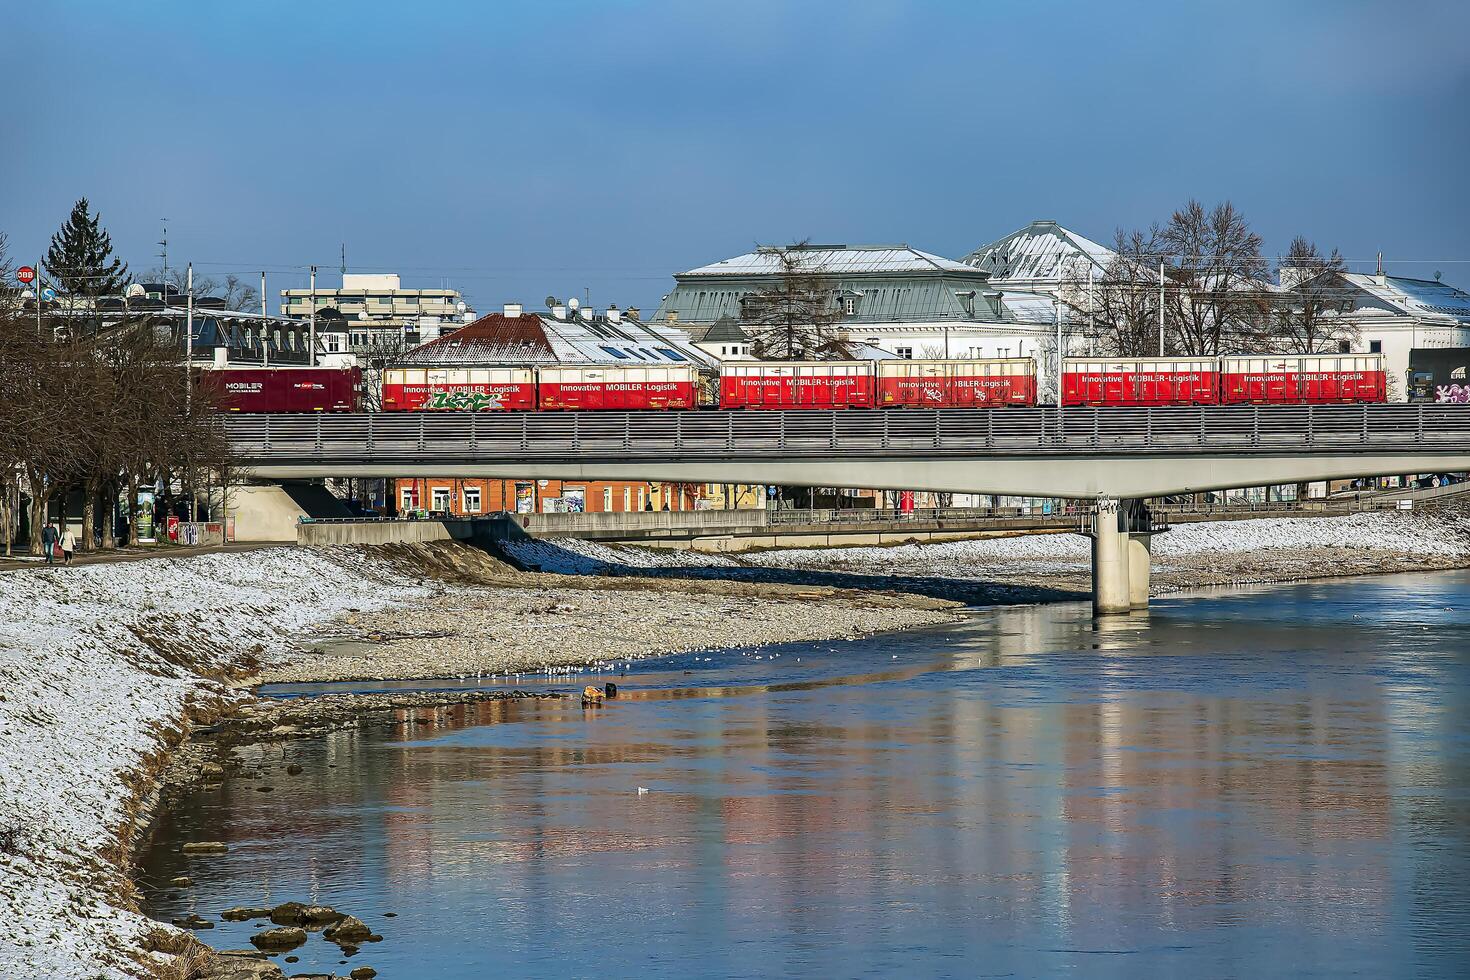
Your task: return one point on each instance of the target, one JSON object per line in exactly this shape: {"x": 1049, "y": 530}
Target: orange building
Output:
{"x": 468, "y": 496}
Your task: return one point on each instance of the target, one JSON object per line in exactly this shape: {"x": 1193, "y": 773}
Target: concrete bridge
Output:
{"x": 1116, "y": 457}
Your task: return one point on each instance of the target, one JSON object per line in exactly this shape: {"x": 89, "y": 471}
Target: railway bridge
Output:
{"x": 1115, "y": 457}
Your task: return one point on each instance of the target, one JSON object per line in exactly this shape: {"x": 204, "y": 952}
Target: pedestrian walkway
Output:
{"x": 136, "y": 553}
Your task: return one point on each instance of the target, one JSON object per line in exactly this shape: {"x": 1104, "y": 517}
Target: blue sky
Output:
{"x": 520, "y": 149}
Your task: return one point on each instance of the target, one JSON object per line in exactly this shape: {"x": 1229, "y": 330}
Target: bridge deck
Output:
{"x": 817, "y": 434}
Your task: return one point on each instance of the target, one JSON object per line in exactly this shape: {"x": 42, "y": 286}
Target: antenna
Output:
{"x": 344, "y": 258}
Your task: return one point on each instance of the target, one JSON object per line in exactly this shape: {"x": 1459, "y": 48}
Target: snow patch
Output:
{"x": 90, "y": 668}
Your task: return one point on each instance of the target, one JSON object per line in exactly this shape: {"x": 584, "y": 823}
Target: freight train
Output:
{"x": 1314, "y": 379}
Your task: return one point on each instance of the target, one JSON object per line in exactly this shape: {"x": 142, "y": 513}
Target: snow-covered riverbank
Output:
{"x": 1190, "y": 555}
{"x": 97, "y": 663}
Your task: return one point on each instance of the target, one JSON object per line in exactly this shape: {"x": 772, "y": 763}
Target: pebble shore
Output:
{"x": 505, "y": 631}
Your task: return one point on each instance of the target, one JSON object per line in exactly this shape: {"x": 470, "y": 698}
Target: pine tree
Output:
{"x": 80, "y": 258}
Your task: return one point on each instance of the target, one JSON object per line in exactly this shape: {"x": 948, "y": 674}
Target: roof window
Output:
{"x": 672, "y": 355}
{"x": 615, "y": 352}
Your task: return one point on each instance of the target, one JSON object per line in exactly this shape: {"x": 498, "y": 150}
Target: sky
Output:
{"x": 559, "y": 147}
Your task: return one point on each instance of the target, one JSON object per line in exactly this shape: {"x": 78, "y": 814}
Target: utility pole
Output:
{"x": 1056, "y": 312}
{"x": 1091, "y": 308}
{"x": 344, "y": 258}
{"x": 311, "y": 333}
{"x": 163, "y": 254}
{"x": 189, "y": 384}
{"x": 265, "y": 327}
{"x": 1161, "y": 307}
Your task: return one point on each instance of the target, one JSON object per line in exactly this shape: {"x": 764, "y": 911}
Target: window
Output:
{"x": 672, "y": 355}
{"x": 410, "y": 498}
{"x": 641, "y": 498}
{"x": 627, "y": 498}
{"x": 1374, "y": 347}
{"x": 471, "y": 500}
{"x": 615, "y": 352}
{"x": 440, "y": 499}
{"x": 849, "y": 306}
{"x": 606, "y": 499}
{"x": 907, "y": 353}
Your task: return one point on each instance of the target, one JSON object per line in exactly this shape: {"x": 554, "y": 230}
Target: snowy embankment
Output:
{"x": 96, "y": 663}
{"x": 1432, "y": 535}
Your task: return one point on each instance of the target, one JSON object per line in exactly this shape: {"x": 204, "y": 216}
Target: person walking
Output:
{"x": 68, "y": 545}
{"x": 48, "y": 542}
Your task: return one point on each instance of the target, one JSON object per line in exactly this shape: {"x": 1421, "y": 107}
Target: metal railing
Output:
{"x": 819, "y": 434}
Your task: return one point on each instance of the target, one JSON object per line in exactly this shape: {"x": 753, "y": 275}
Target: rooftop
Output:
{"x": 542, "y": 338}
{"x": 833, "y": 260}
{"x": 1415, "y": 297}
{"x": 1043, "y": 251}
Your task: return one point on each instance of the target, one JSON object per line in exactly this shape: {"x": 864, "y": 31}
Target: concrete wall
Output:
{"x": 264, "y": 513}
{"x": 381, "y": 532}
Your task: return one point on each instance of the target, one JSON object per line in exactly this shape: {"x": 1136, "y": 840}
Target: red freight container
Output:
{"x": 287, "y": 389}
{"x": 1140, "y": 381}
{"x": 1303, "y": 379}
{"x": 497, "y": 389}
{"x": 617, "y": 387}
{"x": 797, "y": 384}
{"x": 986, "y": 383}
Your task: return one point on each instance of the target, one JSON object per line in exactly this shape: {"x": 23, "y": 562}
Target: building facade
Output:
{"x": 1392, "y": 315}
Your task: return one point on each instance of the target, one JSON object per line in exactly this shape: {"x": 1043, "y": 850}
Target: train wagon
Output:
{"x": 977, "y": 383}
{"x": 617, "y": 387}
{"x": 495, "y": 389}
{"x": 1303, "y": 379}
{"x": 797, "y": 384}
{"x": 287, "y": 389}
{"x": 1140, "y": 381}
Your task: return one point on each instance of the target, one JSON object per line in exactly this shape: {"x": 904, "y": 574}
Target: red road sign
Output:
{"x": 25, "y": 274}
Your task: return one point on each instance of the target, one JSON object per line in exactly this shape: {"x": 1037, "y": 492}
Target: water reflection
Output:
{"x": 1265, "y": 782}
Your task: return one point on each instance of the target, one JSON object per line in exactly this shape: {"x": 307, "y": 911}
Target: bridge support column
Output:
{"x": 1110, "y": 582}
{"x": 1139, "y": 557}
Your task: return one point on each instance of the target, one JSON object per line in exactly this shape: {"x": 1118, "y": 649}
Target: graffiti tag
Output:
{"x": 1456, "y": 394}
{"x": 463, "y": 401}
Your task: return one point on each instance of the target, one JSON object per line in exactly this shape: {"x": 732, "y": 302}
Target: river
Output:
{"x": 1259, "y": 782}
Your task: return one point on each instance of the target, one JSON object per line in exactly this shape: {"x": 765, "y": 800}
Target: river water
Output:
{"x": 1256, "y": 783}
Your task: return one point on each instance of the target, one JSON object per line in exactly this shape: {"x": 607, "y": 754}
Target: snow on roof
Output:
{"x": 833, "y": 260}
{"x": 1043, "y": 251}
{"x": 1415, "y": 297}
{"x": 541, "y": 338}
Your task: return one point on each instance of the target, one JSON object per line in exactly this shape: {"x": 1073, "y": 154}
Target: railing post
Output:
{"x": 730, "y": 431}
{"x": 989, "y": 430}
{"x": 370, "y": 433}
{"x": 474, "y": 435}
{"x": 267, "y": 438}
{"x": 1311, "y": 425}
{"x": 832, "y": 441}
{"x": 885, "y": 430}
{"x": 1419, "y": 424}
{"x": 678, "y": 431}
{"x": 422, "y": 419}
{"x": 1364, "y": 409}
{"x": 627, "y": 432}
{"x": 936, "y": 427}
{"x": 318, "y": 446}
{"x": 781, "y": 430}
{"x": 525, "y": 419}
{"x": 1256, "y": 426}
{"x": 576, "y": 431}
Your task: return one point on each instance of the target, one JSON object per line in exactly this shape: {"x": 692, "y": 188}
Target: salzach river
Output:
{"x": 1257, "y": 783}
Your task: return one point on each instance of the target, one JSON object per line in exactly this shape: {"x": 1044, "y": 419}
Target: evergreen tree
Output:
{"x": 80, "y": 259}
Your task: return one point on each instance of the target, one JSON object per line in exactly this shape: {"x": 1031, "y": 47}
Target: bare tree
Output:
{"x": 1304, "y": 316}
{"x": 237, "y": 294}
{"x": 794, "y": 318}
{"x": 1125, "y": 309}
{"x": 1215, "y": 303}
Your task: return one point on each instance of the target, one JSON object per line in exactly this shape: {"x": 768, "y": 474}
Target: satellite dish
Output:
{"x": 136, "y": 291}
{"x": 552, "y": 301}
{"x": 460, "y": 306}
{"x": 363, "y": 315}
{"x": 572, "y": 303}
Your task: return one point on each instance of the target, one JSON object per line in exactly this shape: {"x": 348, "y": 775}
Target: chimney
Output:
{"x": 614, "y": 315}
{"x": 560, "y": 312}
{"x": 1382, "y": 276}
{"x": 671, "y": 317}
{"x": 633, "y": 313}
{"x": 512, "y": 309}
{"x": 221, "y": 357}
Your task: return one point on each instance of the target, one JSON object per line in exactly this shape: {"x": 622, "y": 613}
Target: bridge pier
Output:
{"x": 1122, "y": 541}
{"x": 1111, "y": 592}
{"x": 1139, "y": 557}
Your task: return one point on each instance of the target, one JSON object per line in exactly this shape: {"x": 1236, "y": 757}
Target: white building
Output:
{"x": 892, "y": 297}
{"x": 378, "y": 312}
{"x": 1393, "y": 315}
{"x": 1042, "y": 257}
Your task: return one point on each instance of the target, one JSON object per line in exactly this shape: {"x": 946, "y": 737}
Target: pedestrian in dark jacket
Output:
{"x": 48, "y": 542}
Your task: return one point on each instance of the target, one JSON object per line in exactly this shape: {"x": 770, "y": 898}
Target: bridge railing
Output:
{"x": 717, "y": 434}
